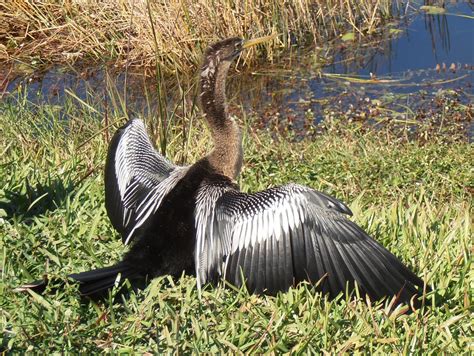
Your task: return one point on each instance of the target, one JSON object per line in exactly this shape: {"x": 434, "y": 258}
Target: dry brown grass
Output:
{"x": 170, "y": 32}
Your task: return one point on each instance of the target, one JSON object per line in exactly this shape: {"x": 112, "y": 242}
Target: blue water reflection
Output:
{"x": 428, "y": 40}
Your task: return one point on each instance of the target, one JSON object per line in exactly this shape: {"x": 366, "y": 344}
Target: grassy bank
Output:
{"x": 143, "y": 32}
{"x": 414, "y": 198}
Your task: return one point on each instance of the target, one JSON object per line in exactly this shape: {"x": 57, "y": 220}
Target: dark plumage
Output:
{"x": 195, "y": 219}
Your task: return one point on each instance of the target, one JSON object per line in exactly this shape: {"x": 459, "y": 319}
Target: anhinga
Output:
{"x": 195, "y": 219}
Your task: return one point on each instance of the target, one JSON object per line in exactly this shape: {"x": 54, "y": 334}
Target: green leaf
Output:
{"x": 349, "y": 36}
{"x": 433, "y": 10}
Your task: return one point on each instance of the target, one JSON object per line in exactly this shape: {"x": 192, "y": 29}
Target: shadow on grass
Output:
{"x": 35, "y": 199}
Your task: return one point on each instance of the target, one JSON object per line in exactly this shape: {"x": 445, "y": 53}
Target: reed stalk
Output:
{"x": 121, "y": 31}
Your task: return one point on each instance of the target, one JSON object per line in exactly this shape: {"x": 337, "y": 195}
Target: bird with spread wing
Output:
{"x": 194, "y": 219}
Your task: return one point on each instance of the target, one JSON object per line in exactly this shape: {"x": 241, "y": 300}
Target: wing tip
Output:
{"x": 330, "y": 202}
{"x": 345, "y": 209}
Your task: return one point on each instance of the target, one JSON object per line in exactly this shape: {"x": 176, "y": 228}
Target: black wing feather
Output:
{"x": 269, "y": 285}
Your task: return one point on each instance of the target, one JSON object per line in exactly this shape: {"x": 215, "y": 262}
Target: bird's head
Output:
{"x": 227, "y": 50}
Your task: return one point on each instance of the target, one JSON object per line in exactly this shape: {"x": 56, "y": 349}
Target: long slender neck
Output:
{"x": 226, "y": 157}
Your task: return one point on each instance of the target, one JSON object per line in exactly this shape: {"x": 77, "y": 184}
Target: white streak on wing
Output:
{"x": 277, "y": 224}
{"x": 233, "y": 232}
{"x": 227, "y": 242}
{"x": 259, "y": 232}
{"x": 284, "y": 223}
{"x": 248, "y": 231}
{"x": 239, "y": 236}
{"x": 243, "y": 235}
{"x": 258, "y": 222}
{"x": 265, "y": 227}
{"x": 291, "y": 217}
{"x": 252, "y": 237}
{"x": 261, "y": 223}
{"x": 255, "y": 229}
{"x": 270, "y": 223}
{"x": 297, "y": 214}
{"x": 208, "y": 251}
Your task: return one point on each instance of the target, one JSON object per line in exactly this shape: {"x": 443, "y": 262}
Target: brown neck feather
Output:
{"x": 226, "y": 157}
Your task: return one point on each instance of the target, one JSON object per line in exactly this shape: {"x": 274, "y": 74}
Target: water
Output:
{"x": 428, "y": 40}
{"x": 395, "y": 77}
{"x": 402, "y": 79}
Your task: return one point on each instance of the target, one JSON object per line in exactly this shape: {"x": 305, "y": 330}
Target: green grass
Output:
{"x": 414, "y": 198}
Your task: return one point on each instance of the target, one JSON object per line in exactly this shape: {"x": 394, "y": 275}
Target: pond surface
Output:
{"x": 414, "y": 74}
{"x": 421, "y": 75}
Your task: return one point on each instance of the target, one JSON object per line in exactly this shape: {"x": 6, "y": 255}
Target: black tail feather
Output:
{"x": 37, "y": 286}
{"x": 94, "y": 284}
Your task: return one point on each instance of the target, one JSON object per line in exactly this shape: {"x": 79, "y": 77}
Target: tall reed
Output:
{"x": 121, "y": 30}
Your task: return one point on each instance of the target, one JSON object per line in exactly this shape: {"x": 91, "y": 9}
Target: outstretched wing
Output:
{"x": 136, "y": 178}
{"x": 273, "y": 239}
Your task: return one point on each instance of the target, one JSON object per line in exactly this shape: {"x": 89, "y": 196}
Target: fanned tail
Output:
{"x": 94, "y": 284}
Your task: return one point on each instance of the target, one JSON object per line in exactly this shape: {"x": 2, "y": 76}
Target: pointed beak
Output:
{"x": 256, "y": 41}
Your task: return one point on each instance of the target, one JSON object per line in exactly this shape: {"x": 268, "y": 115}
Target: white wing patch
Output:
{"x": 275, "y": 219}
